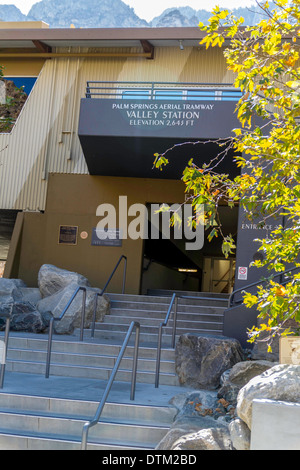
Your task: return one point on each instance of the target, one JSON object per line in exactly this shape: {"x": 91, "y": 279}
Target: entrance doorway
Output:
{"x": 218, "y": 275}
{"x": 167, "y": 265}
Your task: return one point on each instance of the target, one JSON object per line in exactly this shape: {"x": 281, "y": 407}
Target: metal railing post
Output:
{"x": 94, "y": 315}
{"x": 51, "y": 325}
{"x": 50, "y": 336}
{"x": 83, "y": 311}
{"x": 83, "y": 314}
{"x": 164, "y": 323}
{"x": 99, "y": 410}
{"x": 105, "y": 287}
{"x": 158, "y": 355}
{"x": 135, "y": 360}
{"x": 174, "y": 322}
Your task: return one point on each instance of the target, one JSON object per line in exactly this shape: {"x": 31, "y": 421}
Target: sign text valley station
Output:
{"x": 183, "y": 114}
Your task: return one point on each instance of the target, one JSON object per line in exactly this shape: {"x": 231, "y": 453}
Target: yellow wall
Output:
{"x": 22, "y": 68}
{"x": 23, "y": 25}
{"x": 73, "y": 200}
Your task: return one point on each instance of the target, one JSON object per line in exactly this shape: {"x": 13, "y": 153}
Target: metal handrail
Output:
{"x": 105, "y": 287}
{"x": 84, "y": 289}
{"x": 97, "y": 416}
{"x": 52, "y": 320}
{"x": 231, "y": 302}
{"x": 113, "y": 272}
{"x": 108, "y": 89}
{"x": 174, "y": 301}
{"x": 6, "y": 337}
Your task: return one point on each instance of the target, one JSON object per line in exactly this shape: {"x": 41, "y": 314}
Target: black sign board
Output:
{"x": 67, "y": 235}
{"x": 106, "y": 237}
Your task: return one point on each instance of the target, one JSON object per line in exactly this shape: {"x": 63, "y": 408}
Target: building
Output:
{"x": 101, "y": 103}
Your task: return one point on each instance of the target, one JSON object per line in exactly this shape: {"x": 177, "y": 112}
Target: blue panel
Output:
{"x": 136, "y": 94}
{"x": 26, "y": 82}
{"x": 168, "y": 94}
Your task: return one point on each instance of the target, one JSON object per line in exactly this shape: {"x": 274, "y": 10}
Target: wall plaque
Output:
{"x": 67, "y": 235}
{"x": 106, "y": 237}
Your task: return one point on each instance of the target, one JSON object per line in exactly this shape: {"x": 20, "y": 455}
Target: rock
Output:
{"x": 5, "y": 311}
{"x": 7, "y": 286}
{"x": 31, "y": 322}
{"x": 57, "y": 302}
{"x": 52, "y": 279}
{"x": 201, "y": 360}
{"x": 238, "y": 376}
{"x": 205, "y": 439}
{"x": 240, "y": 435}
{"x": 196, "y": 411}
{"x": 281, "y": 382}
{"x": 24, "y": 317}
{"x": 27, "y": 294}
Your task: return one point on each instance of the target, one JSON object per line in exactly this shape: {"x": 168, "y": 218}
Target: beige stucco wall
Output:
{"x": 73, "y": 200}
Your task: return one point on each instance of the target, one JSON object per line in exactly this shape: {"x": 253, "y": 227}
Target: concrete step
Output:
{"x": 153, "y": 330}
{"x": 196, "y": 323}
{"x": 160, "y": 316}
{"x": 146, "y": 339}
{"x": 86, "y": 360}
{"x": 34, "y": 422}
{"x": 132, "y": 413}
{"x": 163, "y": 308}
{"x": 169, "y": 293}
{"x": 71, "y": 345}
{"x": 186, "y": 299}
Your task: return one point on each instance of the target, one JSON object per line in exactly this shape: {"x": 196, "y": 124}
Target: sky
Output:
{"x": 149, "y": 10}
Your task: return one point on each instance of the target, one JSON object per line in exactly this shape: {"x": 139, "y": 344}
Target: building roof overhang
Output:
{"x": 43, "y": 41}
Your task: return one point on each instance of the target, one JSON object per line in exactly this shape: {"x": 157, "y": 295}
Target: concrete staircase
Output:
{"x": 43, "y": 423}
{"x": 201, "y": 315}
{"x": 34, "y": 421}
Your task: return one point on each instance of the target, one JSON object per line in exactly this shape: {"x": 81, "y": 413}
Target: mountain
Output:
{"x": 11, "y": 13}
{"x": 86, "y": 14}
{"x": 182, "y": 16}
{"x": 112, "y": 14}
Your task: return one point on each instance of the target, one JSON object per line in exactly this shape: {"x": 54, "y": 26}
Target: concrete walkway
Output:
{"x": 88, "y": 389}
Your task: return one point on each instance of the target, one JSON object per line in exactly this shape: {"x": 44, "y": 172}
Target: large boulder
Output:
{"x": 7, "y": 286}
{"x": 238, "y": 376}
{"x": 195, "y": 411}
{"x": 27, "y": 294}
{"x": 281, "y": 383}
{"x": 201, "y": 360}
{"x": 57, "y": 302}
{"x": 23, "y": 317}
{"x": 240, "y": 434}
{"x": 52, "y": 279}
{"x": 20, "y": 302}
{"x": 205, "y": 439}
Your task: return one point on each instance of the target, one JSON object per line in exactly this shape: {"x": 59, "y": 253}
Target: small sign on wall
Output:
{"x": 242, "y": 273}
{"x": 106, "y": 237}
{"x": 67, "y": 235}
